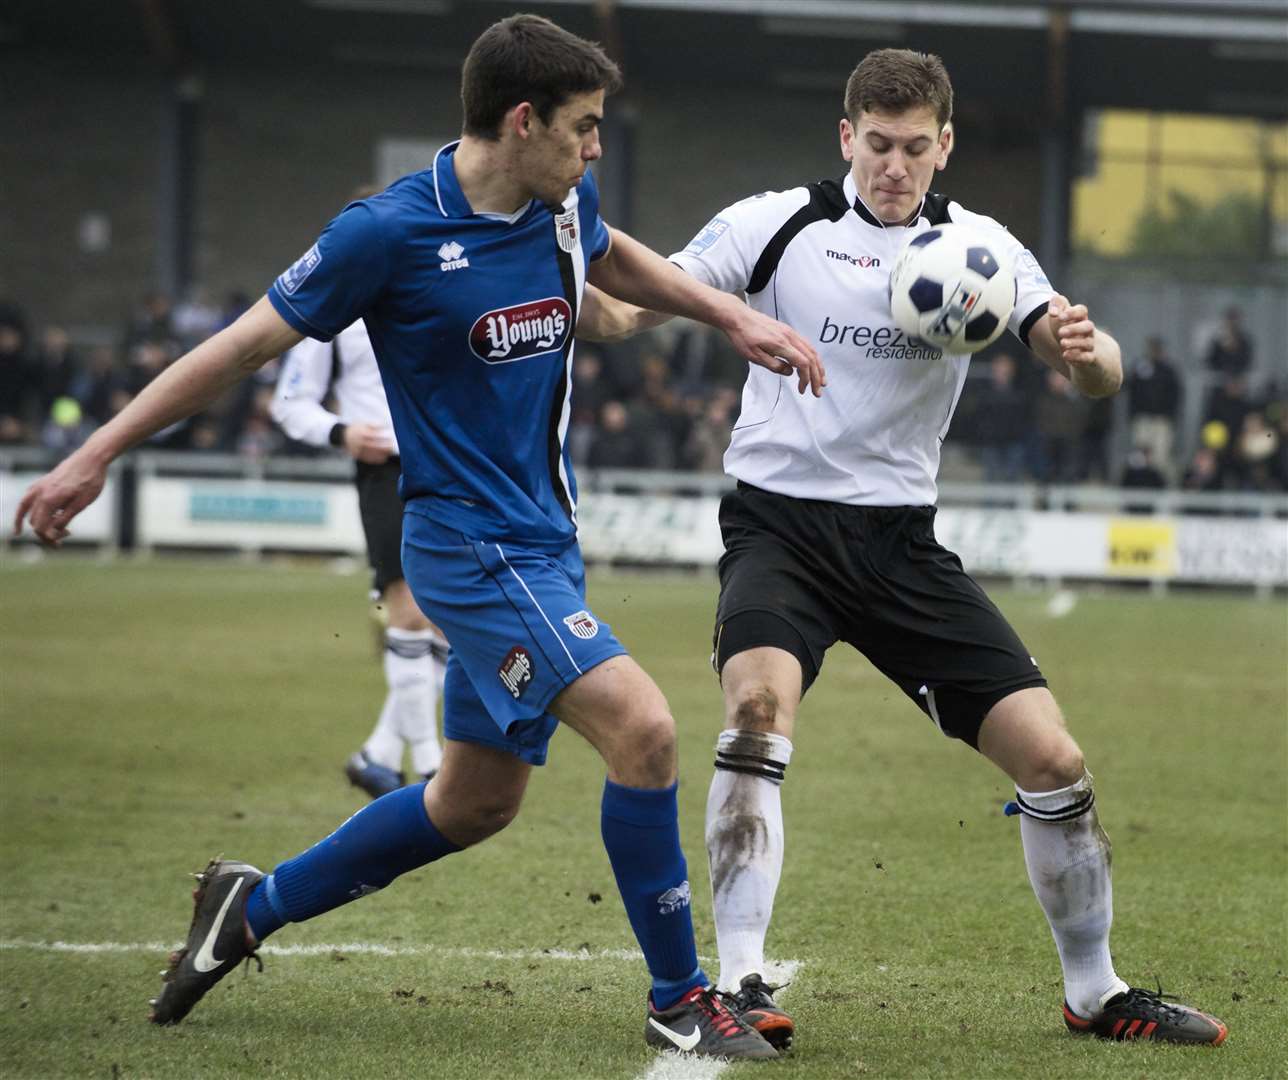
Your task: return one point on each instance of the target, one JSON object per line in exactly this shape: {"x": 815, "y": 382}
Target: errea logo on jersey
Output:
{"x": 451, "y": 253}
{"x": 862, "y": 261}
{"x": 523, "y": 330}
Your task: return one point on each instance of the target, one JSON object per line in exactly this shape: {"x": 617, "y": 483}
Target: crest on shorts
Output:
{"x": 515, "y": 671}
{"x": 582, "y": 624}
{"x": 566, "y": 229}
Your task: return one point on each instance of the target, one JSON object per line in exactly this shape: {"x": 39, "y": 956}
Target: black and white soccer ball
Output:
{"x": 951, "y": 289}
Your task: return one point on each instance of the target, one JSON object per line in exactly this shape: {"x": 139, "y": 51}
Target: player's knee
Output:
{"x": 1056, "y": 767}
{"x": 648, "y": 750}
{"x": 756, "y": 710}
{"x": 485, "y": 817}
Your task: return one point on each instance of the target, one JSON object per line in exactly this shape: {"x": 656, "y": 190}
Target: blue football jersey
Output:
{"x": 471, "y": 317}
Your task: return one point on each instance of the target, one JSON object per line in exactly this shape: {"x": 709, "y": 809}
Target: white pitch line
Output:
{"x": 357, "y": 947}
{"x": 670, "y": 1065}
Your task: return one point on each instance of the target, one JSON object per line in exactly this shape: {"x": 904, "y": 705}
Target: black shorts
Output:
{"x": 382, "y": 512}
{"x": 800, "y": 575}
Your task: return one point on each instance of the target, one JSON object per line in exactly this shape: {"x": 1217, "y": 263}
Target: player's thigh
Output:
{"x": 1025, "y": 736}
{"x": 928, "y": 626}
{"x": 777, "y": 594}
{"x": 620, "y": 711}
{"x": 381, "y": 511}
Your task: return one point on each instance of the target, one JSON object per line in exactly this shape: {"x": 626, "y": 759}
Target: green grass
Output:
{"x": 154, "y": 714}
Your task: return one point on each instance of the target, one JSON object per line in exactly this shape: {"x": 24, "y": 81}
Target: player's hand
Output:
{"x": 368, "y": 443}
{"x": 776, "y": 346}
{"x": 53, "y": 500}
{"x": 1074, "y": 331}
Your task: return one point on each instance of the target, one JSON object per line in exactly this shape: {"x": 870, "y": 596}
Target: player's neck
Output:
{"x": 485, "y": 175}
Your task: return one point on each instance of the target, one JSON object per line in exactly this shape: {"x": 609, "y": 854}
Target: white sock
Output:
{"x": 438, "y": 651}
{"x": 1068, "y": 858}
{"x": 384, "y": 745}
{"x": 413, "y": 698}
{"x": 745, "y": 846}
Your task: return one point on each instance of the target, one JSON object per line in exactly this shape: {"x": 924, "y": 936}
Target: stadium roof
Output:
{"x": 1180, "y": 55}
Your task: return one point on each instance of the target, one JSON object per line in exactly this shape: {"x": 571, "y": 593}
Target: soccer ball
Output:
{"x": 950, "y": 289}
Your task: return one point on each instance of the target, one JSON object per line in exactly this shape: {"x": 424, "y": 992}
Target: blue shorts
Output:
{"x": 519, "y": 627}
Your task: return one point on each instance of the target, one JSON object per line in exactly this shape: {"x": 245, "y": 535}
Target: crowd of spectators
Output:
{"x": 1028, "y": 424}
{"x": 670, "y": 399}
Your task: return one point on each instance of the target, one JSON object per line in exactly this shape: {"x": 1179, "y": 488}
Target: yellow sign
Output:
{"x": 1142, "y": 548}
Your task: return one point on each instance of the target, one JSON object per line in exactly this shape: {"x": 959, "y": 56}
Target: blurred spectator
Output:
{"x": 1003, "y": 422}
{"x": 711, "y": 432}
{"x": 1253, "y": 455}
{"x": 195, "y": 318}
{"x": 152, "y": 320}
{"x": 617, "y": 444}
{"x": 1230, "y": 351}
{"x": 66, "y": 427}
{"x": 1060, "y": 414}
{"x": 56, "y": 367}
{"x": 1141, "y": 474}
{"x": 18, "y": 387}
{"x": 96, "y": 382}
{"x": 1153, "y": 404}
{"x": 1204, "y": 472}
{"x": 589, "y": 392}
{"x": 1096, "y": 437}
{"x": 1223, "y": 415}
{"x": 662, "y": 417}
{"x": 260, "y": 437}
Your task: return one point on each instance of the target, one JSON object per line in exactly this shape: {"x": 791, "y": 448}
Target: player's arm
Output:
{"x": 632, "y": 272}
{"x": 1066, "y": 340}
{"x": 185, "y": 388}
{"x": 605, "y": 318}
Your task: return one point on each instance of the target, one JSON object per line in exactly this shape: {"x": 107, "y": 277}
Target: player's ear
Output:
{"x": 847, "y": 139}
{"x": 519, "y": 120}
{"x": 946, "y": 141}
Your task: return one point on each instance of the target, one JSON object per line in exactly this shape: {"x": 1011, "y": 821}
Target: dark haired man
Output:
{"x": 830, "y": 537}
{"x": 469, "y": 278}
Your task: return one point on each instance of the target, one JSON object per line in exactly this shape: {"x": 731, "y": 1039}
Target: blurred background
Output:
{"x": 165, "y": 159}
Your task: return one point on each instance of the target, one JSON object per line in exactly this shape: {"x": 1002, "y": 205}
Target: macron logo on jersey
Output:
{"x": 452, "y": 255}
{"x": 863, "y": 261}
{"x": 516, "y": 333}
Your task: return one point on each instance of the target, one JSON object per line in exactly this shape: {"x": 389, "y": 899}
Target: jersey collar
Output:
{"x": 861, "y": 208}
{"x": 452, "y": 202}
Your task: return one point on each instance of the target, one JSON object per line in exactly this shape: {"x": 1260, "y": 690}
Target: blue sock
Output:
{"x": 385, "y": 838}
{"x": 642, "y": 836}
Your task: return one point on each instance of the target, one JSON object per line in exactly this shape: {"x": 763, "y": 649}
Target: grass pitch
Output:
{"x": 155, "y": 714}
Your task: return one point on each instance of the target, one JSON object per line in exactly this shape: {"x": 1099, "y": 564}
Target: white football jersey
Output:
{"x": 815, "y": 258}
{"x": 345, "y": 368}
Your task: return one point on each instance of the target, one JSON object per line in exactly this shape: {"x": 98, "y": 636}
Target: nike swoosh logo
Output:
{"x": 205, "y": 960}
{"x": 684, "y": 1042}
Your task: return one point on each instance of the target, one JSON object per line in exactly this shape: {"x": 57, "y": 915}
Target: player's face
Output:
{"x": 893, "y": 157}
{"x": 556, "y": 155}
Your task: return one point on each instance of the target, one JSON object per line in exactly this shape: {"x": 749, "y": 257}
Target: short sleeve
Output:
{"x": 598, "y": 240}
{"x": 338, "y": 278}
{"x": 1033, "y": 292}
{"x": 726, "y": 249}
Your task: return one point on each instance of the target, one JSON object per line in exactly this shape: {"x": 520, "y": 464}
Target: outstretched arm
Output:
{"x": 637, "y": 274}
{"x": 1067, "y": 341}
{"x": 605, "y": 318}
{"x": 186, "y": 387}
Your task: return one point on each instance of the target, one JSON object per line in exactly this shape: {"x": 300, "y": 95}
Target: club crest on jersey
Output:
{"x": 523, "y": 330}
{"x": 566, "y": 229}
{"x": 582, "y": 624}
{"x": 515, "y": 671}
{"x": 453, "y": 256}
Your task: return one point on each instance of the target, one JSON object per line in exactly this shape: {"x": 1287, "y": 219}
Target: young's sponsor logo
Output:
{"x": 453, "y": 256}
{"x": 582, "y": 624}
{"x": 524, "y": 330}
{"x": 515, "y": 671}
{"x": 299, "y": 270}
{"x": 861, "y": 261}
{"x": 674, "y": 899}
